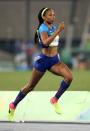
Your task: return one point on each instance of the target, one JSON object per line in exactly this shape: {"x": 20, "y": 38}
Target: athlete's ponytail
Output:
{"x": 41, "y": 13}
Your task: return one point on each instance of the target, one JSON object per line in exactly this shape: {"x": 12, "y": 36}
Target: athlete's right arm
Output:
{"x": 48, "y": 39}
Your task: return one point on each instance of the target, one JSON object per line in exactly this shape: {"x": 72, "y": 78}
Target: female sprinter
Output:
{"x": 47, "y": 36}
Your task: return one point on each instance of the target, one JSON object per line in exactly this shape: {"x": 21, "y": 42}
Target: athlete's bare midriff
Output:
{"x": 50, "y": 51}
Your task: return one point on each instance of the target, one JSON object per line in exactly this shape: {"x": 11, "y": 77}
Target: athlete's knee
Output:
{"x": 69, "y": 78}
{"x": 31, "y": 86}
{"x": 27, "y": 88}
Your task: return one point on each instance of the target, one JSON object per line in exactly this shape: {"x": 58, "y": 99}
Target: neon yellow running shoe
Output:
{"x": 56, "y": 105}
{"x": 11, "y": 111}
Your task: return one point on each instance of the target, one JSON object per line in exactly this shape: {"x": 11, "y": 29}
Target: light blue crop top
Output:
{"x": 44, "y": 28}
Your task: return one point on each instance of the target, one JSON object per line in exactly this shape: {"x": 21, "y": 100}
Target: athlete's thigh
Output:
{"x": 60, "y": 69}
{"x": 36, "y": 76}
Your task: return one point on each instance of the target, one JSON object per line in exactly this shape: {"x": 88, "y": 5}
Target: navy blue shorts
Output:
{"x": 43, "y": 62}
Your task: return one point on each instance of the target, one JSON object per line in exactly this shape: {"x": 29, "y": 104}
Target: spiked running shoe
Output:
{"x": 56, "y": 105}
{"x": 11, "y": 111}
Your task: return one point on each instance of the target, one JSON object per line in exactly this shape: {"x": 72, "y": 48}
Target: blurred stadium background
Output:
{"x": 18, "y": 22}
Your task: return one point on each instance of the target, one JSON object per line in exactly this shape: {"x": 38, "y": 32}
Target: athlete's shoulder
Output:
{"x": 43, "y": 28}
{"x": 43, "y": 25}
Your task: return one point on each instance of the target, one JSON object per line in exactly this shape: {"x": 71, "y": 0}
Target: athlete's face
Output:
{"x": 49, "y": 16}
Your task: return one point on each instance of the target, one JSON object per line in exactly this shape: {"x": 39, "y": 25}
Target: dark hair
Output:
{"x": 40, "y": 19}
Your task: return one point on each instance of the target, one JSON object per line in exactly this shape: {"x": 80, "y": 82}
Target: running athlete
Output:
{"x": 47, "y": 36}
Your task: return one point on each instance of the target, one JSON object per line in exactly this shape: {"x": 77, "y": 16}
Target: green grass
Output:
{"x": 15, "y": 80}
